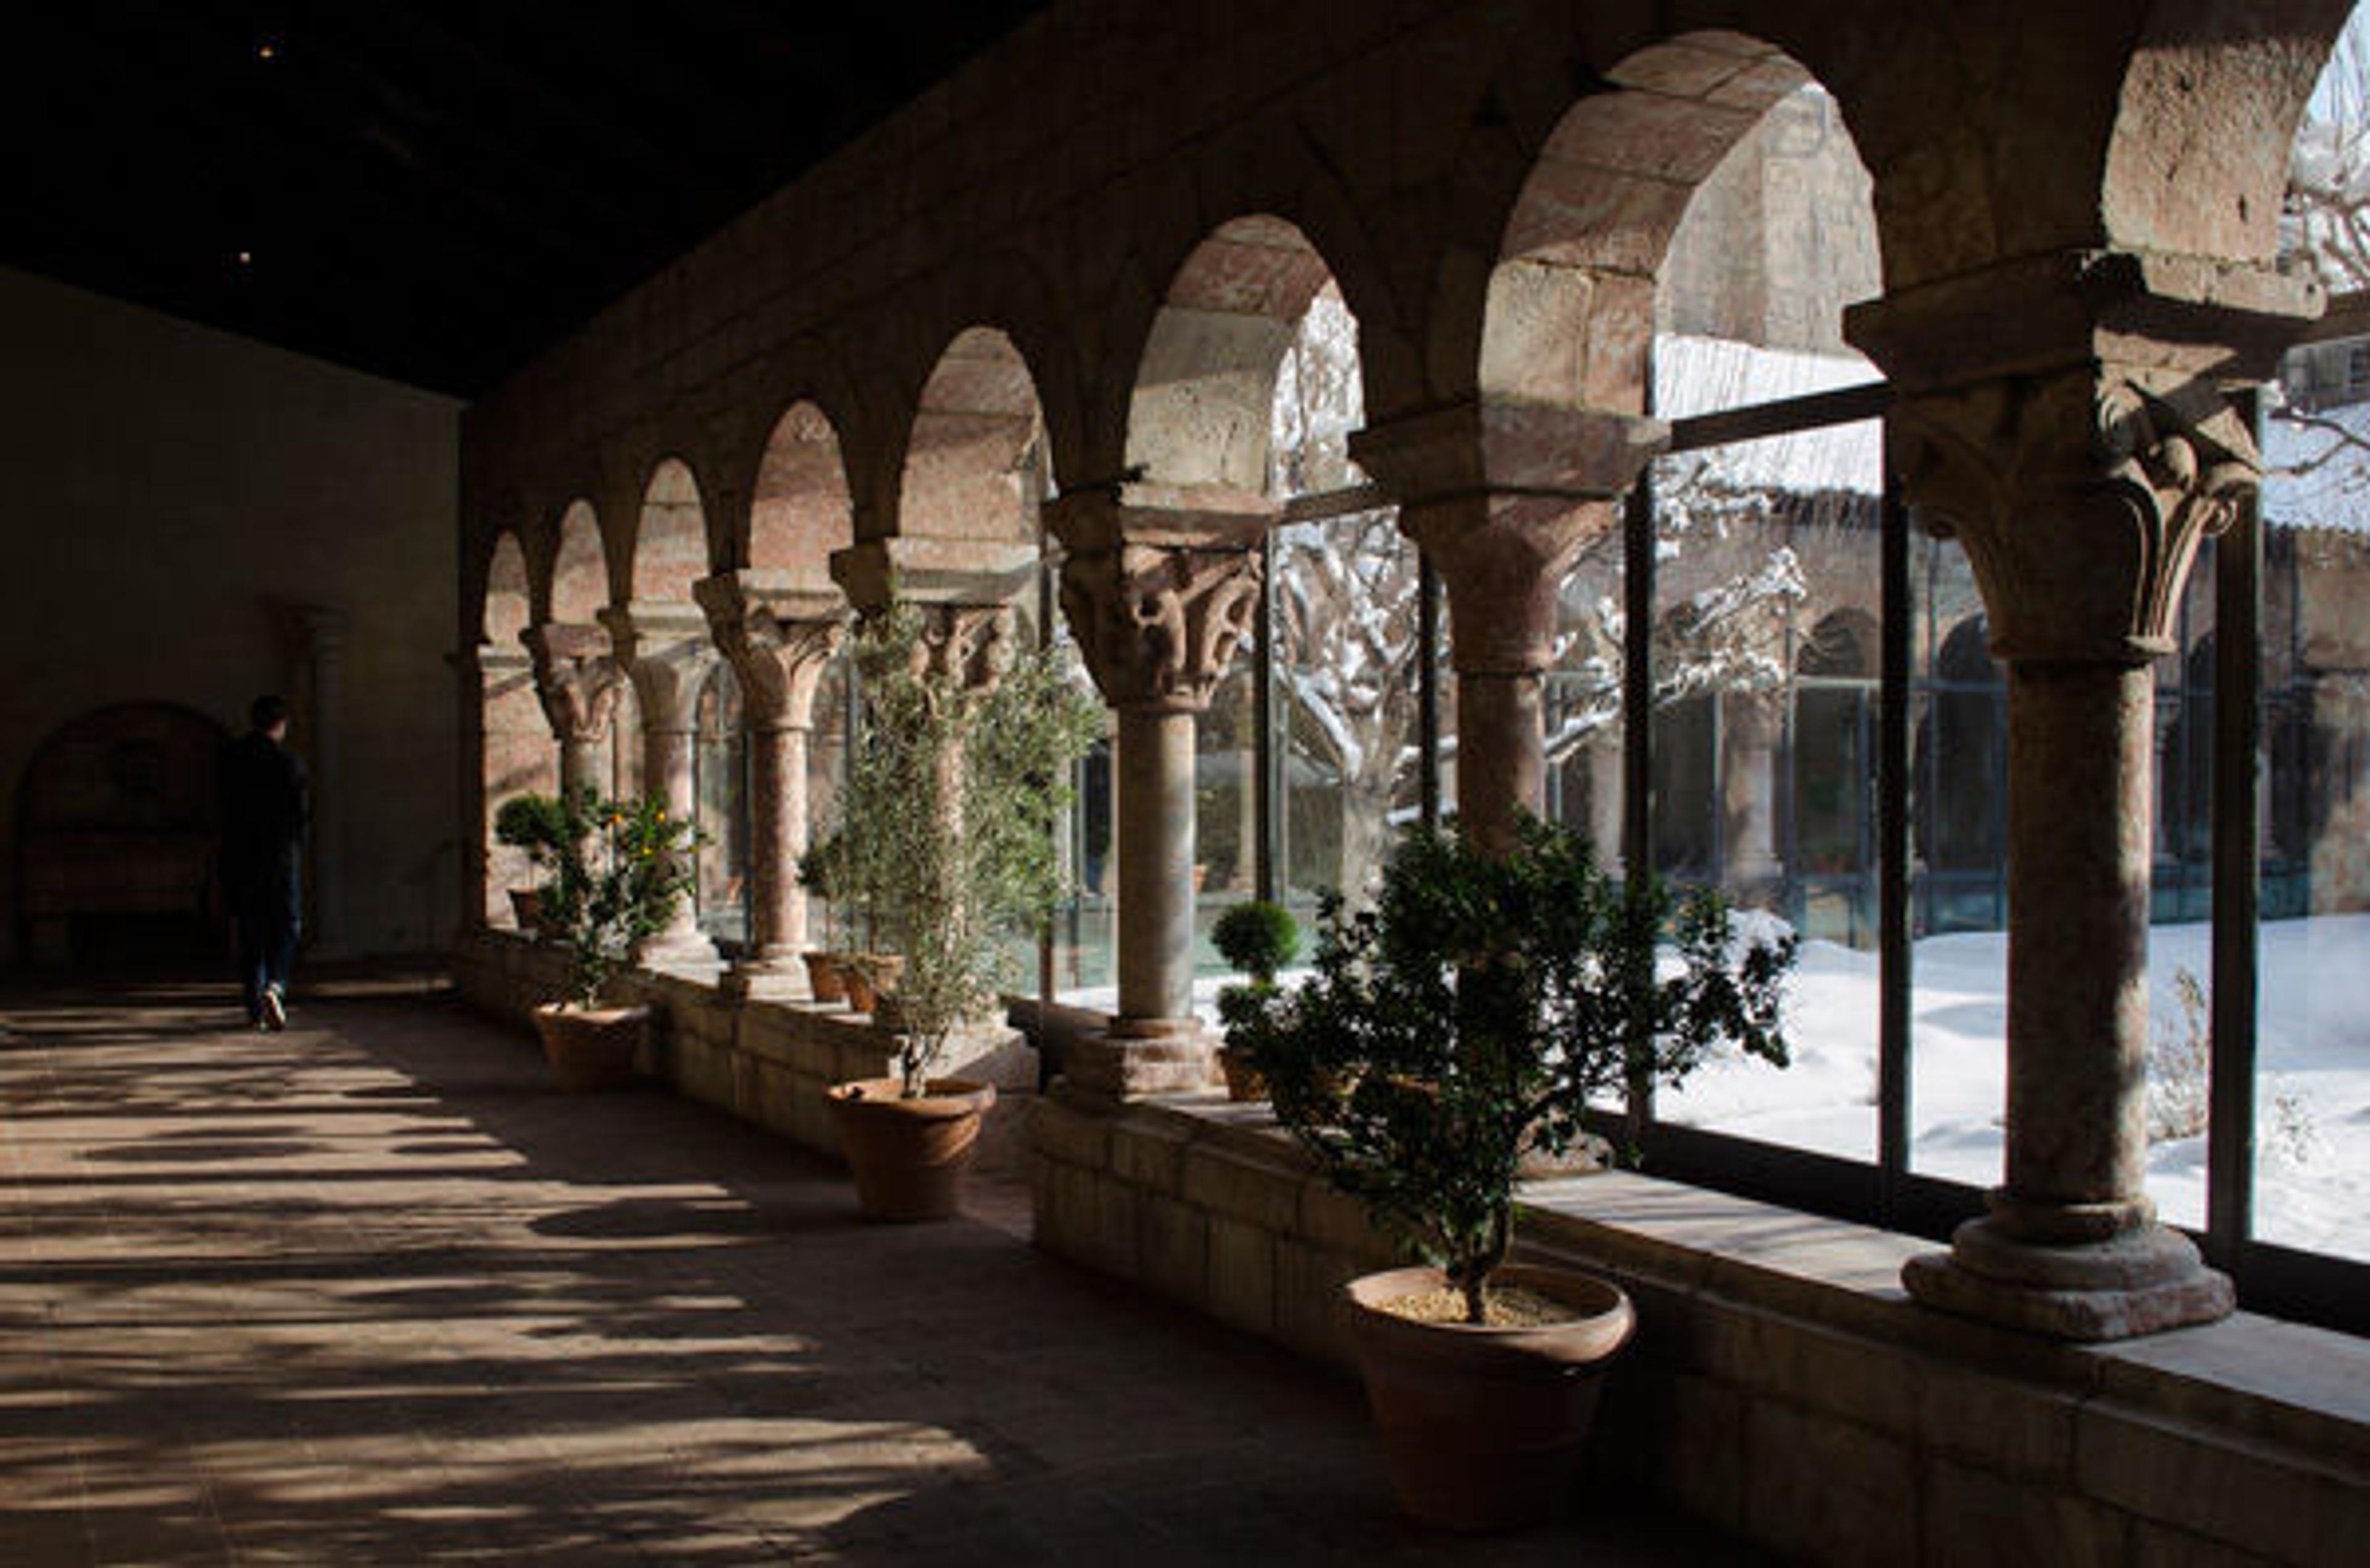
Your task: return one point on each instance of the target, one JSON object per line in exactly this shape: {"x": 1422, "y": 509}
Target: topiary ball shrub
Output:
{"x": 1258, "y": 938}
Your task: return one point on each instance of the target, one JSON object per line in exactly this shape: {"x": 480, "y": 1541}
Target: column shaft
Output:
{"x": 2079, "y": 741}
{"x": 667, "y": 765}
{"x": 1501, "y": 752}
{"x": 580, "y": 759}
{"x": 1156, "y": 869}
{"x": 777, "y": 822}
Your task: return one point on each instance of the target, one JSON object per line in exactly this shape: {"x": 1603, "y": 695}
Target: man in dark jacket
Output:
{"x": 264, "y": 805}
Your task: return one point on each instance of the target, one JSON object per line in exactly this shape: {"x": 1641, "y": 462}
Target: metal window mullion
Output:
{"x": 1427, "y": 690}
{"x": 1266, "y": 762}
{"x": 1893, "y": 951}
{"x": 2236, "y": 892}
{"x": 1637, "y": 710}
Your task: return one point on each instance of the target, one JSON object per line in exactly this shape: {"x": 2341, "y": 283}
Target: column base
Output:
{"x": 679, "y": 950}
{"x": 1137, "y": 1058}
{"x": 2142, "y": 1281}
{"x": 777, "y": 975}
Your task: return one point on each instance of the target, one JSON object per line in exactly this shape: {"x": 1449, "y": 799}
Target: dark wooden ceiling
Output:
{"x": 429, "y": 190}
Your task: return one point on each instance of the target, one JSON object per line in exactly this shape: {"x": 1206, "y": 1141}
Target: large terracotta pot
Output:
{"x": 826, "y": 975}
{"x": 592, "y": 1048}
{"x": 869, "y": 976}
{"x": 1244, "y": 1082}
{"x": 909, "y": 1156}
{"x": 1483, "y": 1427}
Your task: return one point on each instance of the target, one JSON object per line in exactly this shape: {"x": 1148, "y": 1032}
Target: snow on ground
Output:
{"x": 2312, "y": 1113}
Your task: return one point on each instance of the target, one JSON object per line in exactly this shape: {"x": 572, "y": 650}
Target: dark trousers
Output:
{"x": 267, "y": 908}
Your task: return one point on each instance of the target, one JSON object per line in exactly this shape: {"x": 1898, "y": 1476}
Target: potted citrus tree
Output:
{"x": 948, "y": 814}
{"x": 1257, "y": 937}
{"x": 536, "y": 826}
{"x": 1464, "y": 1022}
{"x": 618, "y": 871}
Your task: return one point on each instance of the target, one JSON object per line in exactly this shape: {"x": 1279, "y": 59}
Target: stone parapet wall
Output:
{"x": 767, "y": 1062}
{"x": 1782, "y": 1385}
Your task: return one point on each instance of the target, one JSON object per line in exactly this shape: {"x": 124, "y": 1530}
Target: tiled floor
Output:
{"x": 369, "y": 1292}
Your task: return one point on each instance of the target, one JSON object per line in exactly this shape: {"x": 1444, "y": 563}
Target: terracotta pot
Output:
{"x": 909, "y": 1156}
{"x": 526, "y": 905}
{"x": 594, "y": 1049}
{"x": 826, "y": 975}
{"x": 1482, "y": 1427}
{"x": 868, "y": 975}
{"x": 1244, "y": 1082}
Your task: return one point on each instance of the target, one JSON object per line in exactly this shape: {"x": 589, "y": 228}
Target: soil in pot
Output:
{"x": 1483, "y": 1426}
{"x": 592, "y": 1048}
{"x": 909, "y": 1156}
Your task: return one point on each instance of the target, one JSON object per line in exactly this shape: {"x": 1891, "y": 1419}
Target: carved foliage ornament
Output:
{"x": 1160, "y": 624}
{"x": 779, "y": 663}
{"x": 2081, "y": 501}
{"x": 579, "y": 692}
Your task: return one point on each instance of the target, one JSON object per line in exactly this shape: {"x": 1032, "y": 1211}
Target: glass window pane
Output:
{"x": 1583, "y": 699}
{"x": 2312, "y": 1085}
{"x": 1764, "y": 647}
{"x": 721, "y": 770}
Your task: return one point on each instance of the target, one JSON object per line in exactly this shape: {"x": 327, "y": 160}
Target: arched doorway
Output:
{"x": 116, "y": 833}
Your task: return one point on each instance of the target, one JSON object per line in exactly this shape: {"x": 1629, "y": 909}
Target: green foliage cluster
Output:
{"x": 536, "y": 824}
{"x": 1258, "y": 937}
{"x": 619, "y": 867}
{"x": 1470, "y": 1015}
{"x": 944, "y": 835}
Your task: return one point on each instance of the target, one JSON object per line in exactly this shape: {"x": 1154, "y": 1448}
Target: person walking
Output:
{"x": 265, "y": 802}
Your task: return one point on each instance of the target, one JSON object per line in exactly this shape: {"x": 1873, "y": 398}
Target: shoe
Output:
{"x": 275, "y": 1012}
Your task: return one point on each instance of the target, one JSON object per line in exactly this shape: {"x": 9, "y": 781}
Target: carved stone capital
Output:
{"x": 664, "y": 649}
{"x": 970, "y": 644}
{"x": 1158, "y": 625}
{"x": 575, "y": 678}
{"x": 922, "y": 570}
{"x": 2080, "y": 497}
{"x": 779, "y": 640}
{"x": 1495, "y": 446}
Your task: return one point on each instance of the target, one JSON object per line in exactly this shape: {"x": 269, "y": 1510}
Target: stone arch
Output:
{"x": 1204, "y": 395}
{"x": 578, "y": 582}
{"x": 975, "y": 455}
{"x": 2208, "y": 110}
{"x": 800, "y": 508}
{"x": 669, "y": 545}
{"x": 508, "y": 604}
{"x": 1577, "y": 289}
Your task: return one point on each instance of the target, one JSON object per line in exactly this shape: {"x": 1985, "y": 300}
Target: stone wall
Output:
{"x": 767, "y": 1062}
{"x": 1781, "y": 1383}
{"x": 177, "y": 498}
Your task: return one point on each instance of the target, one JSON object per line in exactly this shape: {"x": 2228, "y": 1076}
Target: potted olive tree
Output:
{"x": 536, "y": 826}
{"x": 618, "y": 871}
{"x": 1467, "y": 1019}
{"x": 948, "y": 814}
{"x": 1257, "y": 937}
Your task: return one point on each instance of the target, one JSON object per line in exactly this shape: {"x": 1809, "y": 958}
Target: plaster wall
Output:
{"x": 172, "y": 491}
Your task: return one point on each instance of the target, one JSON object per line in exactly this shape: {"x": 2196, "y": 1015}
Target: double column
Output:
{"x": 2069, "y": 421}
{"x": 1503, "y": 497}
{"x": 576, "y": 680}
{"x": 663, "y": 649}
{"x": 779, "y": 637}
{"x": 1159, "y": 588}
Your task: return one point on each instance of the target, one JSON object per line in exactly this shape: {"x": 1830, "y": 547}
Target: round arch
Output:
{"x": 800, "y": 508}
{"x": 975, "y": 461}
{"x": 670, "y": 535}
{"x": 580, "y": 568}
{"x": 509, "y": 598}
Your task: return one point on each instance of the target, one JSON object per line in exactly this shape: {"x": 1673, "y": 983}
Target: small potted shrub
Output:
{"x": 948, "y": 813}
{"x": 820, "y": 871}
{"x": 1257, "y": 938}
{"x": 535, "y": 825}
{"x": 1472, "y": 1014}
{"x": 619, "y": 870}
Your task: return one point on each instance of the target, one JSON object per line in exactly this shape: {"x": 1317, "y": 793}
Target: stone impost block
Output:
{"x": 1266, "y": 1196}
{"x": 1974, "y": 1519}
{"x": 1063, "y": 1134}
{"x": 1172, "y": 1249}
{"x": 2250, "y": 1495}
{"x": 1242, "y": 1275}
{"x": 1151, "y": 1156}
{"x": 1826, "y": 1490}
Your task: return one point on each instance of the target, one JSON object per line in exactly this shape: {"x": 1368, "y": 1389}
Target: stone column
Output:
{"x": 576, "y": 680}
{"x": 1503, "y": 497}
{"x": 1751, "y": 724}
{"x": 1159, "y": 588}
{"x": 663, "y": 649}
{"x": 778, "y": 638}
{"x": 2070, "y": 421}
